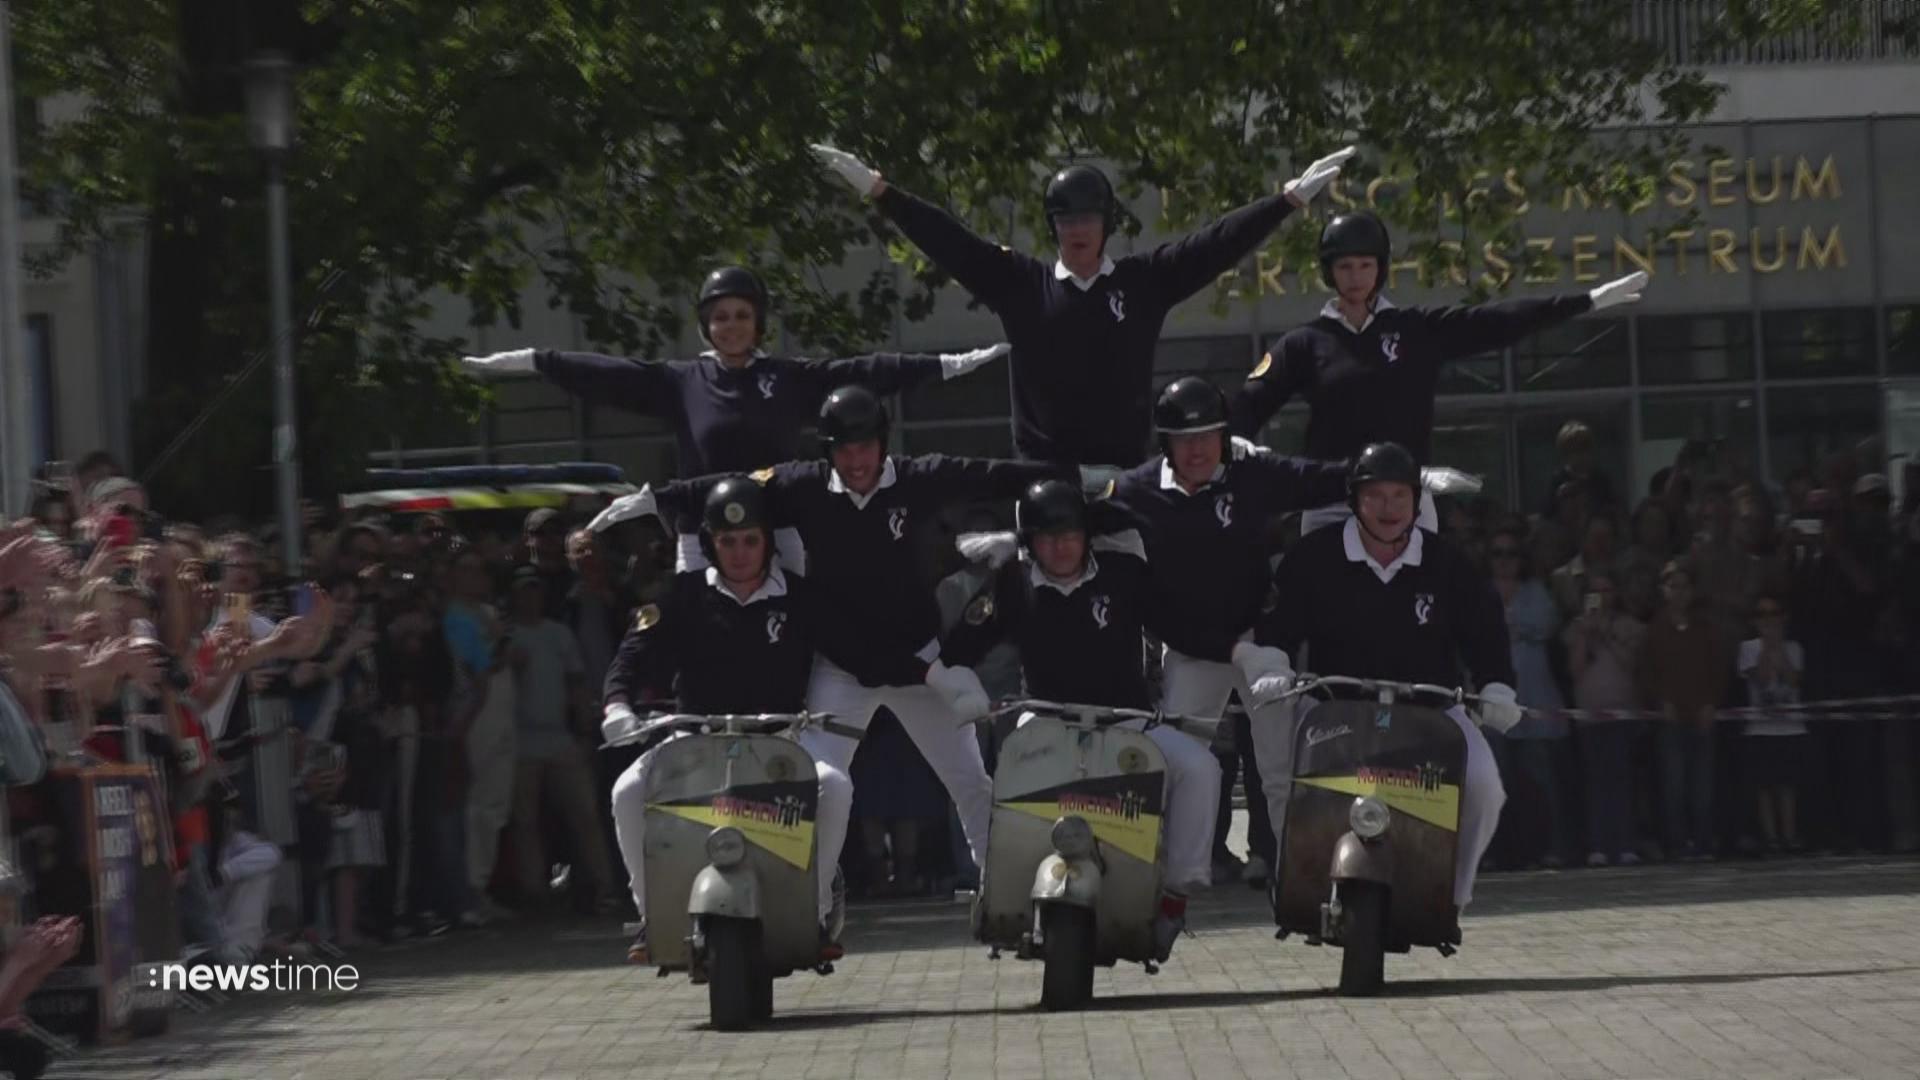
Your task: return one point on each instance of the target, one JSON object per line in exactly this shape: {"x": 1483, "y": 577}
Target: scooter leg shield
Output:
{"x": 1356, "y": 860}
{"x": 732, "y": 893}
{"x": 1076, "y": 882}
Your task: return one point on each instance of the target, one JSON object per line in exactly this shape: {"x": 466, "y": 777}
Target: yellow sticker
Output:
{"x": 649, "y": 616}
{"x": 1265, "y": 363}
{"x": 762, "y": 477}
{"x": 1118, "y": 823}
{"x": 1409, "y": 791}
{"x": 775, "y": 828}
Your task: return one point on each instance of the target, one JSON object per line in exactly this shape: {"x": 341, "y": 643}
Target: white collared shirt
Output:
{"x": 1170, "y": 481}
{"x": 1064, "y": 588}
{"x": 1061, "y": 273}
{"x": 1332, "y": 311}
{"x": 839, "y": 486}
{"x": 1357, "y": 551}
{"x": 774, "y": 585}
{"x": 758, "y": 355}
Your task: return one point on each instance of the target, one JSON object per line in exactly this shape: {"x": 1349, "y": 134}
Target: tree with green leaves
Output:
{"x": 607, "y": 154}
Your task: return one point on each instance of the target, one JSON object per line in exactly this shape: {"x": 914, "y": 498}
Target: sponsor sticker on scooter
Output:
{"x": 1124, "y": 811}
{"x": 776, "y": 818}
{"x": 1419, "y": 790}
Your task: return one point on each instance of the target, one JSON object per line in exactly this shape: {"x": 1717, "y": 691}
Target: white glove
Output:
{"x": 955, "y": 364}
{"x": 1244, "y": 448}
{"x": 1318, "y": 175}
{"x": 1442, "y": 481}
{"x": 617, "y": 722}
{"x": 1095, "y": 480}
{"x": 516, "y": 362}
{"x": 960, "y": 688}
{"x": 1626, "y": 290}
{"x": 851, "y": 169}
{"x": 625, "y": 508}
{"x": 1268, "y": 671}
{"x": 1499, "y": 707}
{"x": 996, "y": 549}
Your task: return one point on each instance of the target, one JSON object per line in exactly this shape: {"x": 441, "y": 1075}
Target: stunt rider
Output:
{"x": 734, "y": 408}
{"x": 1083, "y": 328}
{"x": 1382, "y": 598}
{"x": 1368, "y": 368}
{"x": 857, "y": 512}
{"x": 1075, "y": 606}
{"x": 737, "y": 639}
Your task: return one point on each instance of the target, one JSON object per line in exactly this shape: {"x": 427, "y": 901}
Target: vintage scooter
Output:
{"x": 1073, "y": 872}
{"x": 1367, "y": 850}
{"x": 730, "y": 855}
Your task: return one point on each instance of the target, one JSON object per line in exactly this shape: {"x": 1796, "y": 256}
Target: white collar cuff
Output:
{"x": 1357, "y": 551}
{"x": 839, "y": 487}
{"x": 1332, "y": 311}
{"x": 775, "y": 585}
{"x": 1061, "y": 273}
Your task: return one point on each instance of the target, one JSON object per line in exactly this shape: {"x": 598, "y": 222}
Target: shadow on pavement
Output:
{"x": 1424, "y": 988}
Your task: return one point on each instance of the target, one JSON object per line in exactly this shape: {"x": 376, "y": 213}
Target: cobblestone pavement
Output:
{"x": 1801, "y": 970}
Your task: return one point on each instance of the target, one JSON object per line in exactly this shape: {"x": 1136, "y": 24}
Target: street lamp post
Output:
{"x": 270, "y": 126}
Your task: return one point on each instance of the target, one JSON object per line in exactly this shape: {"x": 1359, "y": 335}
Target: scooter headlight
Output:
{"x": 1073, "y": 837}
{"x": 726, "y": 846}
{"x": 1369, "y": 818}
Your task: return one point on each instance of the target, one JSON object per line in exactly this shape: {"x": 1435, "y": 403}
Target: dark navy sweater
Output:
{"x": 701, "y": 645}
{"x": 1378, "y": 385}
{"x": 730, "y": 419}
{"x": 878, "y": 612}
{"x": 1209, "y": 550}
{"x": 1417, "y": 627}
{"x": 1081, "y": 371}
{"x": 1082, "y": 647}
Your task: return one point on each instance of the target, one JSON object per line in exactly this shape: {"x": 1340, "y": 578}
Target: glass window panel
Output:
{"x": 1726, "y": 424}
{"x": 1234, "y": 355}
{"x": 1537, "y": 434}
{"x": 1695, "y": 348}
{"x": 603, "y": 421}
{"x": 1808, "y": 423}
{"x": 975, "y": 396}
{"x": 1577, "y": 355}
{"x": 1474, "y": 375}
{"x": 1903, "y": 340}
{"x": 960, "y": 440}
{"x": 1474, "y": 442}
{"x": 644, "y": 461}
{"x": 531, "y": 410}
{"x": 1816, "y": 344}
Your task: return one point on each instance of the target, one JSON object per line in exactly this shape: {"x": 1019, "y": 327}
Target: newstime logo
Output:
{"x": 234, "y": 978}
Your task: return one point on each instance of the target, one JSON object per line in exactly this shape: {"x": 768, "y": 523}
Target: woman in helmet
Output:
{"x": 1083, "y": 328}
{"x": 1368, "y": 368}
{"x": 735, "y": 408}
{"x": 738, "y": 639}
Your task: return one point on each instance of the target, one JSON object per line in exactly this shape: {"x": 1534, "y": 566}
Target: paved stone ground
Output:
{"x": 1804, "y": 970}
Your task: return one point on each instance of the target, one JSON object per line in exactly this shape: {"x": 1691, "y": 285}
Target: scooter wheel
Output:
{"x": 733, "y": 976}
{"x": 1363, "y": 933}
{"x": 1067, "y": 980}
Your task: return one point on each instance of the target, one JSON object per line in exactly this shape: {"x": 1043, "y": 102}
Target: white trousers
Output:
{"x": 786, "y": 544}
{"x": 949, "y": 746}
{"x": 1338, "y": 513}
{"x": 492, "y": 754}
{"x": 1191, "y": 687}
{"x": 630, "y": 823}
{"x": 1192, "y": 801}
{"x": 1481, "y": 792}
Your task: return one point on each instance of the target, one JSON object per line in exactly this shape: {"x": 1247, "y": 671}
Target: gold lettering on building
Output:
{"x": 1814, "y": 251}
{"x": 1754, "y": 247}
{"x": 1685, "y": 191}
{"x": 1719, "y": 178}
{"x": 1583, "y": 255}
{"x": 1499, "y": 270}
{"x": 1548, "y": 270}
{"x": 1680, "y": 238}
{"x": 1267, "y": 276}
{"x": 1624, "y": 252}
{"x": 1753, "y": 184}
{"x": 1720, "y": 247}
{"x": 1805, "y": 180}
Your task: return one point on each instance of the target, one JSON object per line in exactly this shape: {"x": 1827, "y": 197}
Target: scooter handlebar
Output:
{"x": 1104, "y": 714}
{"x": 1307, "y": 684}
{"x": 720, "y": 723}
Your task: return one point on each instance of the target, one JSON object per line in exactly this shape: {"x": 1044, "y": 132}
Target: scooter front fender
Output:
{"x": 1075, "y": 881}
{"x": 733, "y": 893}
{"x": 1355, "y": 859}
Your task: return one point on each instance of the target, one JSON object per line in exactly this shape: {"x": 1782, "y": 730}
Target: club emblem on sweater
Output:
{"x": 776, "y": 622}
{"x": 766, "y": 387}
{"x": 1390, "y": 347}
{"x": 1117, "y": 303}
{"x": 1422, "y": 607}
{"x": 897, "y": 522}
{"x": 1223, "y": 510}
{"x": 1100, "y": 611}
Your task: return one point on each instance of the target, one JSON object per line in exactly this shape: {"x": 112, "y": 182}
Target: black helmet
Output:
{"x": 1081, "y": 189}
{"x": 1383, "y": 461}
{"x": 1188, "y": 406}
{"x": 852, "y": 414}
{"x": 1359, "y": 233}
{"x": 736, "y": 502}
{"x": 1049, "y": 506}
{"x": 735, "y": 281}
